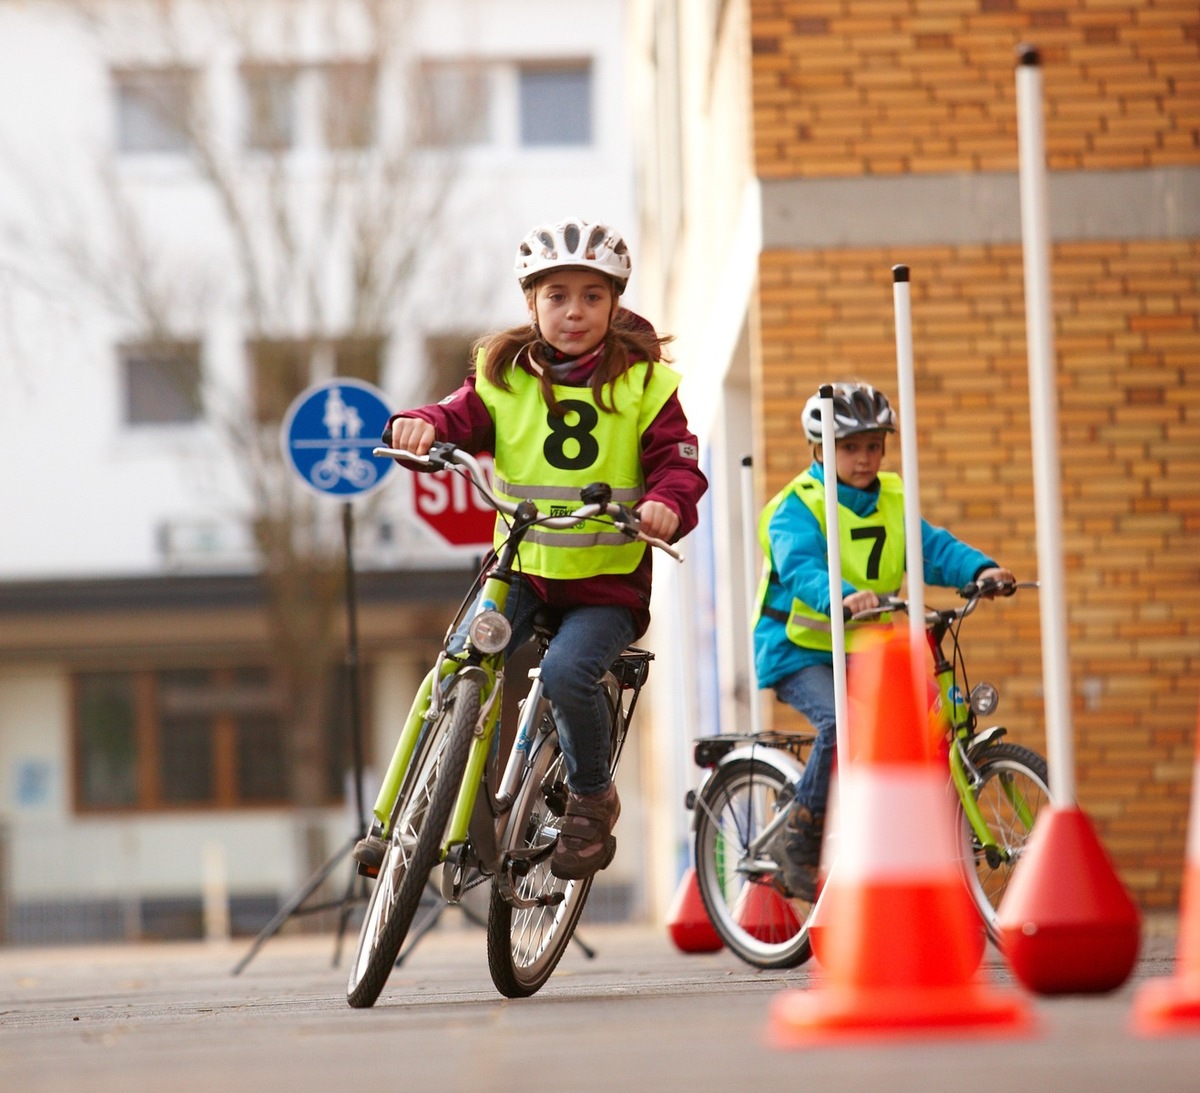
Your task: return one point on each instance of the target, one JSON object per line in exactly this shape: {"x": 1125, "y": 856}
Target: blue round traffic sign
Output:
{"x": 328, "y": 433}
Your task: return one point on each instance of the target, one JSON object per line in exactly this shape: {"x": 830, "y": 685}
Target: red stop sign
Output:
{"x": 449, "y": 504}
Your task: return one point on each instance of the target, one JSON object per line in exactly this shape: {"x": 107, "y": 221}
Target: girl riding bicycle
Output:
{"x": 580, "y": 394}
{"x": 792, "y": 633}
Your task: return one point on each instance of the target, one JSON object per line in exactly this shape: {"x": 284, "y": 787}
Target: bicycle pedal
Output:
{"x": 368, "y": 871}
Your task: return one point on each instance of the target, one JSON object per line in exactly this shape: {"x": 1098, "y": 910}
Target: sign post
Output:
{"x": 327, "y": 435}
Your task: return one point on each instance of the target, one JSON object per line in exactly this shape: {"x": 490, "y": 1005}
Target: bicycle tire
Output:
{"x": 988, "y": 881}
{"x": 525, "y": 944}
{"x": 749, "y": 912}
{"x": 423, "y": 810}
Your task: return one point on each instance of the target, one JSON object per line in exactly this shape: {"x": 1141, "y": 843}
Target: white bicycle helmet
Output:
{"x": 857, "y": 408}
{"x": 573, "y": 244}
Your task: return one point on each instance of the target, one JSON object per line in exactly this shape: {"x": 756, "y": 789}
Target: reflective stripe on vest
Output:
{"x": 548, "y": 460}
{"x": 872, "y": 549}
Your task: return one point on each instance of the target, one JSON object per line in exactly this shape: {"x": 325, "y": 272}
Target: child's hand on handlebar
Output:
{"x": 858, "y": 601}
{"x": 659, "y": 521}
{"x": 998, "y": 580}
{"x": 411, "y": 434}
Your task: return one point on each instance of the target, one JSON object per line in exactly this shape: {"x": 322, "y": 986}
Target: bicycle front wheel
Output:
{"x": 749, "y": 911}
{"x": 525, "y": 943}
{"x": 1012, "y": 788}
{"x": 419, "y": 821}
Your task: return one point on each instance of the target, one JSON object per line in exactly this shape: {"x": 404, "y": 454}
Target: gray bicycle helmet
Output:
{"x": 857, "y": 408}
{"x": 573, "y": 244}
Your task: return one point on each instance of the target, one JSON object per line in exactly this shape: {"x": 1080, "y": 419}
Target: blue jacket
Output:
{"x": 801, "y": 563}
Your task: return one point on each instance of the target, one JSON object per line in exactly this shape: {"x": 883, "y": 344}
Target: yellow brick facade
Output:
{"x": 846, "y": 88}
{"x": 884, "y": 132}
{"x": 887, "y": 87}
{"x": 1128, "y": 339}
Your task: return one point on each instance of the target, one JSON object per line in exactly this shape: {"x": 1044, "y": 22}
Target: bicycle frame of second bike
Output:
{"x": 954, "y": 714}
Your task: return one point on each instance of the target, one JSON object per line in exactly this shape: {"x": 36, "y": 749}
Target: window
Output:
{"x": 285, "y": 367}
{"x": 194, "y": 738}
{"x": 349, "y": 101}
{"x": 162, "y": 383}
{"x": 531, "y": 104}
{"x": 270, "y": 97}
{"x": 453, "y": 104}
{"x": 555, "y": 105}
{"x": 107, "y": 739}
{"x": 153, "y": 109}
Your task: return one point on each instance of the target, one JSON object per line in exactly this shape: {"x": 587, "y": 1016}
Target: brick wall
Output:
{"x": 1128, "y": 342}
{"x": 886, "y": 87}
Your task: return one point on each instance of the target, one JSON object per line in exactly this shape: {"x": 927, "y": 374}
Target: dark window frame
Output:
{"x": 176, "y": 371}
{"x": 231, "y": 704}
{"x": 153, "y": 110}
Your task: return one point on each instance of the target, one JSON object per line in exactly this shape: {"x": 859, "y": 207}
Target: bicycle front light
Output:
{"x": 489, "y": 632}
{"x": 984, "y": 699}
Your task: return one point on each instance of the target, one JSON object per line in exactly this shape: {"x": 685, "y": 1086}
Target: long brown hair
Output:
{"x": 630, "y": 339}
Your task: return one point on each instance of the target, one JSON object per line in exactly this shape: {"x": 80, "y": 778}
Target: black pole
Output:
{"x": 356, "y": 743}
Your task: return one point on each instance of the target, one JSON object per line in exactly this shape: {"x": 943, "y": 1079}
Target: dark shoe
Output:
{"x": 801, "y": 856}
{"x": 585, "y": 839}
{"x": 369, "y": 852}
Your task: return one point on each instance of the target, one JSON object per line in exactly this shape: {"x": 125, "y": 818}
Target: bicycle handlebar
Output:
{"x": 445, "y": 456}
{"x": 972, "y": 592}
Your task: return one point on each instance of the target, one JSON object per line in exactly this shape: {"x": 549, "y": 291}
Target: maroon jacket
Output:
{"x": 669, "y": 465}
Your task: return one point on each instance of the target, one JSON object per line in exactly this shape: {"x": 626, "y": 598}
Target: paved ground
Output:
{"x": 640, "y": 1016}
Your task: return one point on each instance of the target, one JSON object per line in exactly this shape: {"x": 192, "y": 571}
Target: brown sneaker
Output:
{"x": 802, "y": 852}
{"x": 585, "y": 839}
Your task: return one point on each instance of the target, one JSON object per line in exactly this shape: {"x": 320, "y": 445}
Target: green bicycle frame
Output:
{"x": 956, "y": 715}
{"x": 494, "y": 596}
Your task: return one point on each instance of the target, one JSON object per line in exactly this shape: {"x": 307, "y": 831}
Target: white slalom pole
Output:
{"x": 833, "y": 541}
{"x": 750, "y": 545}
{"x": 1039, "y": 326}
{"x": 914, "y": 554}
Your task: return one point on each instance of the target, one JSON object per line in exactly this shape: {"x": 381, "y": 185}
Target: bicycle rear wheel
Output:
{"x": 422, "y": 811}
{"x": 524, "y": 944}
{"x": 737, "y": 884}
{"x": 1013, "y": 788}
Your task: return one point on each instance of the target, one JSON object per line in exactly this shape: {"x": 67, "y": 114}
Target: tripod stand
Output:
{"x": 355, "y": 890}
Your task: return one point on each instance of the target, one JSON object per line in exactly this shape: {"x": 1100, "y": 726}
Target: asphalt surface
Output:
{"x": 640, "y": 1015}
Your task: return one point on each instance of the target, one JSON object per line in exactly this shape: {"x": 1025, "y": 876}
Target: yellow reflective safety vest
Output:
{"x": 872, "y": 549}
{"x": 548, "y": 460}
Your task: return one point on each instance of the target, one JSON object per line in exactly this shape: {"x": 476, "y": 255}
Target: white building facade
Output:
{"x": 205, "y": 207}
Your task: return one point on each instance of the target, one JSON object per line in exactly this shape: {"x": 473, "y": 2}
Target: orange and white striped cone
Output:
{"x": 900, "y": 951}
{"x": 1172, "y": 1004}
{"x": 687, "y": 920}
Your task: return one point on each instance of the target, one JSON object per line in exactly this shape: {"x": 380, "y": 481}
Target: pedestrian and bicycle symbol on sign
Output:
{"x": 328, "y": 433}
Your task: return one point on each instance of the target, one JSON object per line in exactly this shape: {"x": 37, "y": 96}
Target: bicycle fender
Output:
{"x": 986, "y": 739}
{"x": 781, "y": 761}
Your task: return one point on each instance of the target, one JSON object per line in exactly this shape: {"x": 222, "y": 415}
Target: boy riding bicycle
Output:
{"x": 793, "y": 639}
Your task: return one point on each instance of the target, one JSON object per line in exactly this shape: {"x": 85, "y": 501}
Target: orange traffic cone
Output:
{"x": 1173, "y": 1004}
{"x": 688, "y": 922}
{"x": 899, "y": 948}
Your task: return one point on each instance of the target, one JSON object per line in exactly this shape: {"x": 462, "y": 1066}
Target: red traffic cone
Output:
{"x": 899, "y": 948}
{"x": 1066, "y": 923}
{"x": 688, "y": 922}
{"x": 765, "y": 915}
{"x": 1173, "y": 1004}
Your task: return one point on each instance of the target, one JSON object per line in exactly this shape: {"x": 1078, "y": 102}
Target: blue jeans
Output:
{"x": 811, "y": 691}
{"x": 589, "y": 639}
